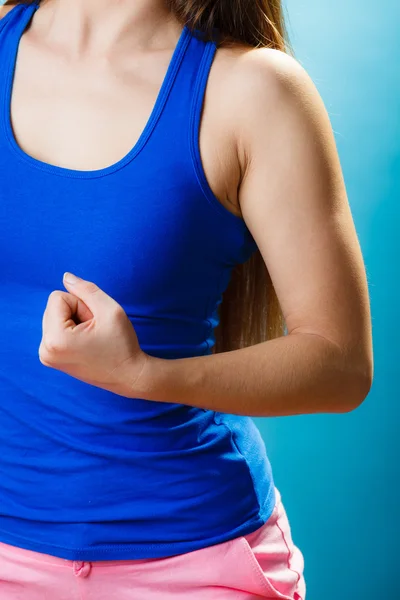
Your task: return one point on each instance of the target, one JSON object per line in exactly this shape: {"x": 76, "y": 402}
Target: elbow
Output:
{"x": 360, "y": 387}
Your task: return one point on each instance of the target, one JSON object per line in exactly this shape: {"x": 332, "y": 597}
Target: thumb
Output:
{"x": 95, "y": 299}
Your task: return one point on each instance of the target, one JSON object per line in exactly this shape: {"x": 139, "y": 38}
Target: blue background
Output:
{"x": 338, "y": 473}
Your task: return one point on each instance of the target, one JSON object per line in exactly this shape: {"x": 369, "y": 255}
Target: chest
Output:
{"x": 89, "y": 114}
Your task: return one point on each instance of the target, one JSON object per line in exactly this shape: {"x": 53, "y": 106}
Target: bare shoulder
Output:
{"x": 268, "y": 83}
{"x": 270, "y": 96}
{"x": 257, "y": 64}
{"x": 271, "y": 63}
{"x": 256, "y": 97}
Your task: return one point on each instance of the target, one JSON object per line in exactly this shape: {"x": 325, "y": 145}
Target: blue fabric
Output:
{"x": 86, "y": 474}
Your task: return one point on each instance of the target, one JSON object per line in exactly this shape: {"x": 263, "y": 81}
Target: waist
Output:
{"x": 98, "y": 472}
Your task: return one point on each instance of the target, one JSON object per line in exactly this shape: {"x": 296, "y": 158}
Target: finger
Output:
{"x": 96, "y": 300}
{"x": 83, "y": 313}
{"x": 59, "y": 312}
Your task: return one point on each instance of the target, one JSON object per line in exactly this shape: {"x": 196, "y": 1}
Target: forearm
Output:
{"x": 296, "y": 374}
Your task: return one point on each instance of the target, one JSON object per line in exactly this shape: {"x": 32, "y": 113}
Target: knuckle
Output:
{"x": 55, "y": 294}
{"x": 119, "y": 313}
{"x": 43, "y": 355}
{"x": 92, "y": 288}
{"x": 53, "y": 346}
{"x": 44, "y": 359}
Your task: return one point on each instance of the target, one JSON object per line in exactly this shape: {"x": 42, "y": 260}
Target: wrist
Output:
{"x": 164, "y": 380}
{"x": 140, "y": 379}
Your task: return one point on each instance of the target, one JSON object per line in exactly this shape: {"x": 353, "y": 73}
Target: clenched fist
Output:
{"x": 88, "y": 335}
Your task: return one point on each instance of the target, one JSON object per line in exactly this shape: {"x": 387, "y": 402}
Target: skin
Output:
{"x": 269, "y": 155}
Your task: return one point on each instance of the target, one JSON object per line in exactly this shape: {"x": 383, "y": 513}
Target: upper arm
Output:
{"x": 293, "y": 200}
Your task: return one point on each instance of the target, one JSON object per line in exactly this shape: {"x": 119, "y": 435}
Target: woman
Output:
{"x": 131, "y": 467}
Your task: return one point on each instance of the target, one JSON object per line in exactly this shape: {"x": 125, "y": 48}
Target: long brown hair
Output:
{"x": 250, "y": 312}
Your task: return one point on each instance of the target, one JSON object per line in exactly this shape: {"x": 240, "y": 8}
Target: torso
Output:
{"x": 77, "y": 112}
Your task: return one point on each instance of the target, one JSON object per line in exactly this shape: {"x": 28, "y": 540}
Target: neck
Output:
{"x": 96, "y": 27}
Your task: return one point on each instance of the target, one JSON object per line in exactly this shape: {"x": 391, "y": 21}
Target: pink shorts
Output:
{"x": 262, "y": 564}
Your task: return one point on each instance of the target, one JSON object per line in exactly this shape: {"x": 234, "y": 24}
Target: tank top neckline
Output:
{"x": 164, "y": 90}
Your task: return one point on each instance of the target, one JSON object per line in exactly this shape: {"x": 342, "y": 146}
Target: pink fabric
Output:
{"x": 263, "y": 564}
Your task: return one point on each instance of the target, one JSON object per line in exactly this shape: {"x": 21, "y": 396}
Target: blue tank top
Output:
{"x": 86, "y": 474}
